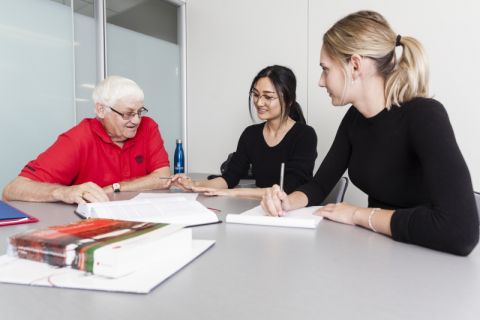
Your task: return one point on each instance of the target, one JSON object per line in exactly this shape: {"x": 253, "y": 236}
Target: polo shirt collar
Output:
{"x": 100, "y": 131}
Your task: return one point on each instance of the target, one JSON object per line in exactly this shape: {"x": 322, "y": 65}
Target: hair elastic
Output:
{"x": 397, "y": 42}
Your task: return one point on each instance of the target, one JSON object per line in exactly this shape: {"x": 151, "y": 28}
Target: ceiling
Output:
{"x": 157, "y": 18}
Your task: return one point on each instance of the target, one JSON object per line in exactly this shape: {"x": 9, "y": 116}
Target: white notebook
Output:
{"x": 299, "y": 218}
{"x": 174, "y": 210}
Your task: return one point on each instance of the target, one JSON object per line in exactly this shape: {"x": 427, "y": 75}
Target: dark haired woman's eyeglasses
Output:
{"x": 267, "y": 98}
{"x": 129, "y": 116}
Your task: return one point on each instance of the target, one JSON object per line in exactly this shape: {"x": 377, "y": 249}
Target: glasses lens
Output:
{"x": 131, "y": 115}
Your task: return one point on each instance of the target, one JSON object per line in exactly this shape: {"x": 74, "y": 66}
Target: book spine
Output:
{"x": 75, "y": 244}
{"x": 36, "y": 251}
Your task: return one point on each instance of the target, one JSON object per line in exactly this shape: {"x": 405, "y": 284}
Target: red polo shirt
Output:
{"x": 86, "y": 153}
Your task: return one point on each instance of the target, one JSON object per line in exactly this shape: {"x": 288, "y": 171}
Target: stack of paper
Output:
{"x": 300, "y": 218}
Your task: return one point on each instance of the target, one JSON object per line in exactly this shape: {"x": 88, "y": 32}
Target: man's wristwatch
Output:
{"x": 116, "y": 187}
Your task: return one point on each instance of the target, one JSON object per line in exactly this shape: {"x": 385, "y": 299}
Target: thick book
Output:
{"x": 10, "y": 215}
{"x": 299, "y": 218}
{"x": 173, "y": 210}
{"x": 142, "y": 280}
{"x": 106, "y": 247}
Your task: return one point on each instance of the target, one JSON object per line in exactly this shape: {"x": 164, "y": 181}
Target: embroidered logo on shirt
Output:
{"x": 139, "y": 159}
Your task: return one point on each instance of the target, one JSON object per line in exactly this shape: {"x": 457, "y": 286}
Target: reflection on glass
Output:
{"x": 85, "y": 58}
{"x": 36, "y": 71}
{"x": 155, "y": 18}
{"x": 142, "y": 45}
{"x": 85, "y": 7}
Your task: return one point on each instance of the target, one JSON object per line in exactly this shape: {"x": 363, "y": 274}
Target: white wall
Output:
{"x": 446, "y": 29}
{"x": 227, "y": 44}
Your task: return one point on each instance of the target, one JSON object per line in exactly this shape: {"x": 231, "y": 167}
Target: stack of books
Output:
{"x": 104, "y": 247}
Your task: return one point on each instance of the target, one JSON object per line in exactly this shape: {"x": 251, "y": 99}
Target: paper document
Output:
{"x": 152, "y": 195}
{"x": 174, "y": 210}
{"x": 22, "y": 271}
{"x": 299, "y": 218}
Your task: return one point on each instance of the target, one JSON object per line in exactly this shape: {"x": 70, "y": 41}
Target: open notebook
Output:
{"x": 299, "y": 218}
{"x": 175, "y": 210}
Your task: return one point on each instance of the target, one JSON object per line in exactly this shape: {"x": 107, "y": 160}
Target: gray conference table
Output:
{"x": 255, "y": 272}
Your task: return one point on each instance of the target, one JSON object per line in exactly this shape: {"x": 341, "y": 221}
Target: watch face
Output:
{"x": 116, "y": 187}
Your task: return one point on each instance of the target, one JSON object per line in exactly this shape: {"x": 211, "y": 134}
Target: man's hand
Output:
{"x": 82, "y": 193}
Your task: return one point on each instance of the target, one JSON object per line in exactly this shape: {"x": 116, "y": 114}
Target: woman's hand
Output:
{"x": 275, "y": 202}
{"x": 213, "y": 191}
{"x": 339, "y": 212}
{"x": 183, "y": 182}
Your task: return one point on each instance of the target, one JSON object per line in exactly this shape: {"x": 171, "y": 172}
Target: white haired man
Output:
{"x": 119, "y": 150}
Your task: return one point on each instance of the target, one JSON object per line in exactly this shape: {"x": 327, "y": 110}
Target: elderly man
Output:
{"x": 119, "y": 150}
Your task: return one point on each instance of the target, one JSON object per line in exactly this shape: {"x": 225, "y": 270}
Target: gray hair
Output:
{"x": 113, "y": 89}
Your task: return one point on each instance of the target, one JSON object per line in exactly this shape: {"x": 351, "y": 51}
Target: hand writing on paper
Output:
{"x": 275, "y": 202}
{"x": 82, "y": 193}
{"x": 339, "y": 212}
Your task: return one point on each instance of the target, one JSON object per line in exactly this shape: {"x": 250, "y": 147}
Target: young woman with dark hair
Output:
{"x": 282, "y": 137}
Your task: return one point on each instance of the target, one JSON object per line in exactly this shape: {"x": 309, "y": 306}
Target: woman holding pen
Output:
{"x": 282, "y": 137}
{"x": 397, "y": 143}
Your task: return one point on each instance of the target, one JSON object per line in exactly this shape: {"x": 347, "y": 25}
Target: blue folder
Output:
{"x": 10, "y": 215}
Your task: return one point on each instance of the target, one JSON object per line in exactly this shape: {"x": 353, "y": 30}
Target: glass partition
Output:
{"x": 142, "y": 45}
{"x": 36, "y": 79}
{"x": 49, "y": 66}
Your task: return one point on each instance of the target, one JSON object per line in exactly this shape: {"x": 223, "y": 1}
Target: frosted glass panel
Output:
{"x": 36, "y": 79}
{"x": 152, "y": 62}
{"x": 155, "y": 65}
{"x": 85, "y": 65}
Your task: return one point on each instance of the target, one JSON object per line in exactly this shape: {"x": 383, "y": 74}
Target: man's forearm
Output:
{"x": 25, "y": 189}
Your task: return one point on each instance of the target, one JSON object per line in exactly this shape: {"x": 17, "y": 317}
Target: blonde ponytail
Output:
{"x": 368, "y": 34}
{"x": 409, "y": 77}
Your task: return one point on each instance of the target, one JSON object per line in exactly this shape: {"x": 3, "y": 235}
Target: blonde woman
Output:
{"x": 397, "y": 143}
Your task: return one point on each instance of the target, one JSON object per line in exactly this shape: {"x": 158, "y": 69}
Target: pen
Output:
{"x": 215, "y": 210}
{"x": 282, "y": 171}
{"x": 165, "y": 178}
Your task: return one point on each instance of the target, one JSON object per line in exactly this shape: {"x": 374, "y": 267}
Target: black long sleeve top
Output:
{"x": 298, "y": 150}
{"x": 406, "y": 159}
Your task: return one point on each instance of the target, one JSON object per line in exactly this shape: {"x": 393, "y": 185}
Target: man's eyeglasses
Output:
{"x": 129, "y": 116}
{"x": 256, "y": 98}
